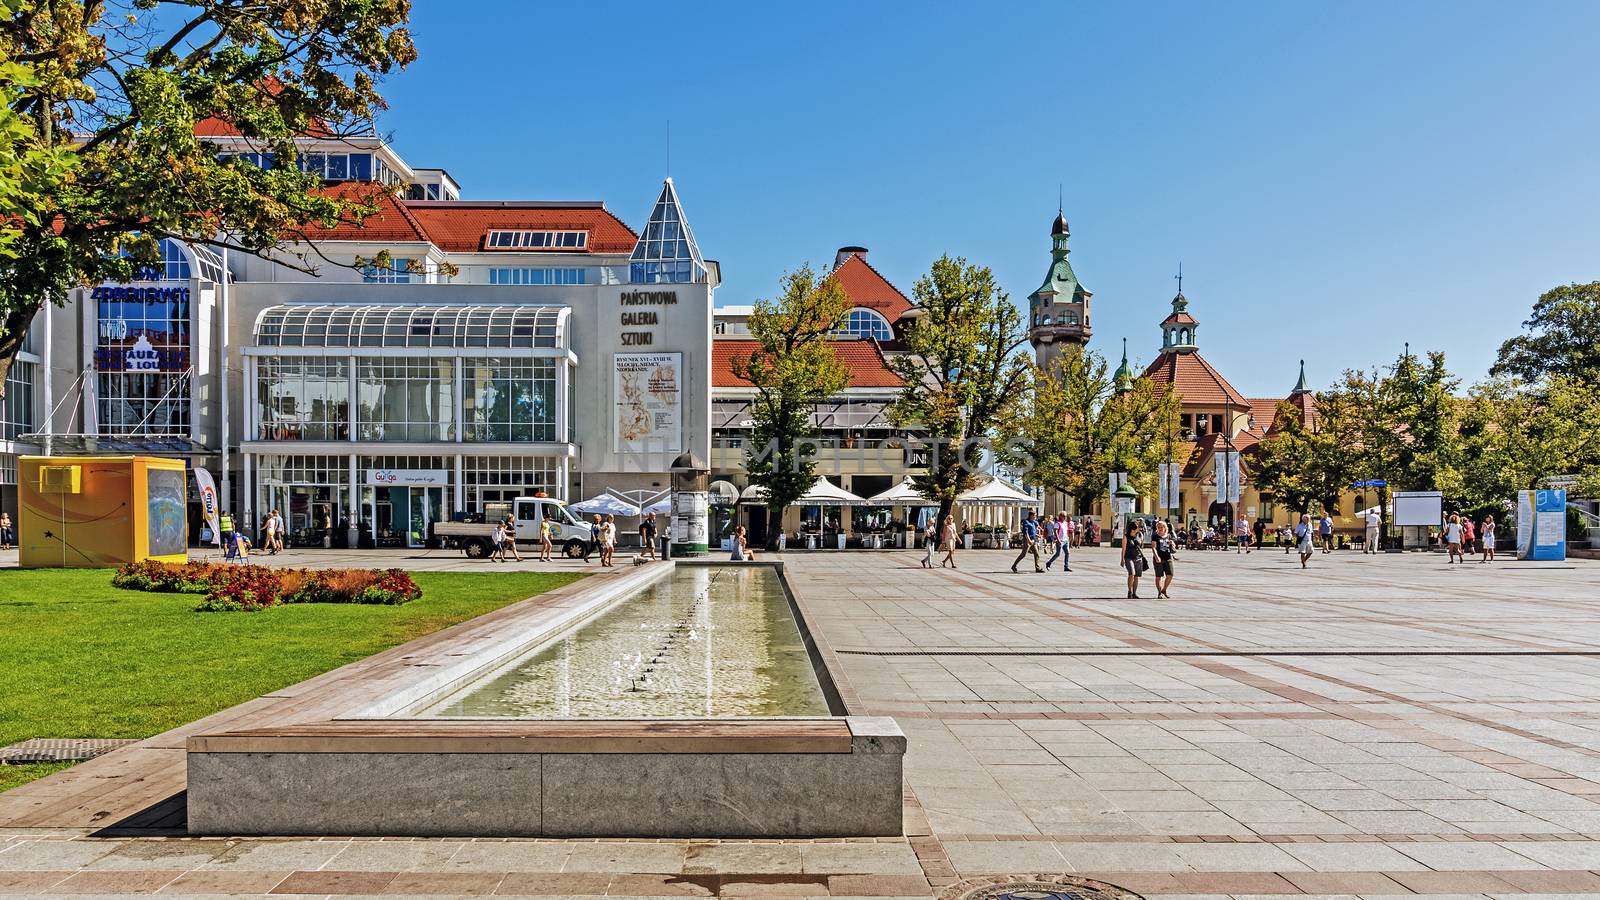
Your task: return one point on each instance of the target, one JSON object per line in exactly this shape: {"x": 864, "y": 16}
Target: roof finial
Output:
{"x": 669, "y": 149}
{"x": 1179, "y": 276}
{"x": 1061, "y": 198}
{"x": 1300, "y": 386}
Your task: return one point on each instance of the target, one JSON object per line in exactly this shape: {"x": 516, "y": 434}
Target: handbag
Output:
{"x": 1141, "y": 564}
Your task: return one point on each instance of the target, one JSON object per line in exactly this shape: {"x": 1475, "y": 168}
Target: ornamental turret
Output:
{"x": 1178, "y": 329}
{"x": 1058, "y": 312}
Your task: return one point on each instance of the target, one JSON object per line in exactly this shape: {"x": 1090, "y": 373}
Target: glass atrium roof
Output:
{"x": 667, "y": 252}
{"x": 307, "y": 325}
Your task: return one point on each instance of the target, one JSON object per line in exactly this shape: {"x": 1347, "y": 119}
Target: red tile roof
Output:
{"x": 1195, "y": 380}
{"x": 868, "y": 288}
{"x": 865, "y": 361}
{"x": 459, "y": 226}
{"x": 1180, "y": 318}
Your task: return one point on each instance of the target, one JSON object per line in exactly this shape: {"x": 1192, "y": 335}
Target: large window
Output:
{"x": 865, "y": 323}
{"x": 406, "y": 399}
{"x": 17, "y": 408}
{"x": 304, "y": 398}
{"x": 510, "y": 399}
{"x": 537, "y": 275}
{"x": 399, "y": 271}
{"x": 536, "y": 240}
{"x": 501, "y": 478}
{"x": 142, "y": 358}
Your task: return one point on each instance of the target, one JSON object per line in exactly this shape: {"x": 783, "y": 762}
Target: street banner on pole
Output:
{"x": 1235, "y": 479}
{"x": 1171, "y": 487}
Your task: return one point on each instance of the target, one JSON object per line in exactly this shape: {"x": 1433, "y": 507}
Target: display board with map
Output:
{"x": 649, "y": 398}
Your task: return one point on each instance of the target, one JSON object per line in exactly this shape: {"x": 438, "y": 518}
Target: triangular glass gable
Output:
{"x": 666, "y": 252}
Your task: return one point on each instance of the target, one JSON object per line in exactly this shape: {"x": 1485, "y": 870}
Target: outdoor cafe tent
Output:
{"x": 823, "y": 493}
{"x": 902, "y": 494}
{"x": 995, "y": 503}
{"x": 605, "y": 504}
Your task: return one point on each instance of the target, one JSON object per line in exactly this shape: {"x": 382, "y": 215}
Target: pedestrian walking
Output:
{"x": 511, "y": 537}
{"x": 930, "y": 542}
{"x": 1374, "y": 523}
{"x": 1327, "y": 532}
{"x": 608, "y": 541}
{"x": 1163, "y": 550}
{"x": 1261, "y": 533}
{"x": 545, "y": 545}
{"x": 1064, "y": 547}
{"x": 8, "y": 536}
{"x": 1304, "y": 538}
{"x": 269, "y": 527}
{"x": 1486, "y": 539}
{"x": 1467, "y": 538}
{"x": 1133, "y": 558}
{"x": 1452, "y": 538}
{"x": 947, "y": 539}
{"x": 647, "y": 535}
{"x": 1241, "y": 532}
{"x": 1030, "y": 541}
{"x": 593, "y": 546}
{"x": 498, "y": 537}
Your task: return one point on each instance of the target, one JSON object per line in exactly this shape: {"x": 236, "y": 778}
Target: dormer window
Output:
{"x": 536, "y": 240}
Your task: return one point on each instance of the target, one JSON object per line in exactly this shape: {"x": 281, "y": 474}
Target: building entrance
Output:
{"x": 404, "y": 516}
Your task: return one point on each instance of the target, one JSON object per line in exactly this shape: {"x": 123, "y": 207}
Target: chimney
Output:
{"x": 847, "y": 252}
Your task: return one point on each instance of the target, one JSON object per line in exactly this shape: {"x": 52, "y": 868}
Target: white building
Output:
{"x": 512, "y": 347}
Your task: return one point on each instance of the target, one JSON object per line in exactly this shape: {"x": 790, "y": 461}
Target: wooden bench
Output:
{"x": 522, "y": 736}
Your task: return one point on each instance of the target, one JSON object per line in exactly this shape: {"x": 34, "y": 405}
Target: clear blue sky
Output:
{"x": 1336, "y": 178}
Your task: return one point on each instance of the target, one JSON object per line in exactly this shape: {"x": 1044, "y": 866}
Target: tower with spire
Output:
{"x": 1058, "y": 312}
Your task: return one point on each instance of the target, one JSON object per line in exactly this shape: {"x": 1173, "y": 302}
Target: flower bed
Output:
{"x": 244, "y": 588}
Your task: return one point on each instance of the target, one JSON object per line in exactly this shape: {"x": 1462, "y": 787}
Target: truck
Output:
{"x": 476, "y": 539}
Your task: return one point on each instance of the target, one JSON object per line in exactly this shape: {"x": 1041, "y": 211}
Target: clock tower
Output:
{"x": 1058, "y": 312}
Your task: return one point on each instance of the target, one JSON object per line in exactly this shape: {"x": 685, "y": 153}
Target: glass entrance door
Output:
{"x": 426, "y": 504}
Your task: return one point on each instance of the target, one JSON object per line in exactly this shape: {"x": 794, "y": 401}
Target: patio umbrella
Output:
{"x": 606, "y": 504}
{"x": 902, "y": 494}
{"x": 996, "y": 493}
{"x": 661, "y": 507}
{"x": 826, "y": 493}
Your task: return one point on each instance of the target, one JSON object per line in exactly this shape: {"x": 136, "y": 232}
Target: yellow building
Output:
{"x": 93, "y": 511}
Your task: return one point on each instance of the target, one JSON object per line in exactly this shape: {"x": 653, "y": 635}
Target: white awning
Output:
{"x": 902, "y": 494}
{"x": 606, "y": 504}
{"x": 997, "y": 493}
{"x": 823, "y": 493}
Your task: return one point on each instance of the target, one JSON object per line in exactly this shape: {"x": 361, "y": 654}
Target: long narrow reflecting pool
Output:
{"x": 707, "y": 641}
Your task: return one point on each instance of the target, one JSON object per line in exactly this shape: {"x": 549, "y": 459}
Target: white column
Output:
{"x": 222, "y": 374}
{"x": 249, "y": 489}
{"x": 46, "y": 354}
{"x": 563, "y": 414}
{"x": 461, "y": 482}
{"x": 460, "y": 406}
{"x": 352, "y": 532}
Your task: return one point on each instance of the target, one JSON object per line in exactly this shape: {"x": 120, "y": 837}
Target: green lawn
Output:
{"x": 83, "y": 659}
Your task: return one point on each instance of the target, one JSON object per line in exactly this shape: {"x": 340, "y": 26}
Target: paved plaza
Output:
{"x": 1375, "y": 726}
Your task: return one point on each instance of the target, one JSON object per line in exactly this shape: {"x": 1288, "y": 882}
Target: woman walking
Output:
{"x": 7, "y": 538}
{"x": 1486, "y": 539}
{"x": 947, "y": 539}
{"x": 511, "y": 538}
{"x": 1133, "y": 558}
{"x": 545, "y": 545}
{"x": 1304, "y": 538}
{"x": 608, "y": 541}
{"x": 930, "y": 542}
{"x": 1452, "y": 539}
{"x": 1164, "y": 550}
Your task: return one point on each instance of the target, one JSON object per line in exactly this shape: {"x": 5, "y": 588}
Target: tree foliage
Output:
{"x": 1563, "y": 338}
{"x": 964, "y": 372}
{"x": 1515, "y": 435}
{"x": 793, "y": 369}
{"x": 1074, "y": 428}
{"x": 101, "y": 155}
{"x": 1302, "y": 463}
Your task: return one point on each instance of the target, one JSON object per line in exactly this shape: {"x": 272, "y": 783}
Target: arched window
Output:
{"x": 861, "y": 322}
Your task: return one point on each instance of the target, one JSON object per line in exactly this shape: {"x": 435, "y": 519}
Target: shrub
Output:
{"x": 246, "y": 588}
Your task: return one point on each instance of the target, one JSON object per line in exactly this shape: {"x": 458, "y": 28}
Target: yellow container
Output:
{"x": 93, "y": 511}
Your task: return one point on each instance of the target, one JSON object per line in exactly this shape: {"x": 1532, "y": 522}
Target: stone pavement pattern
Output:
{"x": 1374, "y": 727}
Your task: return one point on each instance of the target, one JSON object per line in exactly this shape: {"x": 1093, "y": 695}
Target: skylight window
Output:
{"x": 536, "y": 240}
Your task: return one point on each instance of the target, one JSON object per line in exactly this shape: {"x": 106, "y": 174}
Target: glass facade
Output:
{"x": 399, "y": 271}
{"x": 667, "y": 252}
{"x": 17, "y": 409}
{"x": 509, "y": 399}
{"x": 865, "y": 323}
{"x": 303, "y": 398}
{"x": 406, "y": 399}
{"x": 411, "y": 326}
{"x": 142, "y": 357}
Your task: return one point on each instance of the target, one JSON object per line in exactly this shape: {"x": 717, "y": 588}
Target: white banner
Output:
{"x": 209, "y": 504}
{"x": 1235, "y": 477}
{"x": 1115, "y": 480}
{"x": 1171, "y": 475}
{"x": 1229, "y": 488}
{"x": 649, "y": 398}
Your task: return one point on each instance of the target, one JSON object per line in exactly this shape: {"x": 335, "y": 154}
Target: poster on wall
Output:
{"x": 649, "y": 397}
{"x": 1542, "y": 525}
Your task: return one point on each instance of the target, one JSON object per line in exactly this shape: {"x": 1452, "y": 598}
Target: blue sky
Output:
{"x": 1336, "y": 179}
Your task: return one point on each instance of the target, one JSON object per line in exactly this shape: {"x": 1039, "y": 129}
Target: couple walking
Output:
{"x": 935, "y": 538}
{"x": 1054, "y": 531}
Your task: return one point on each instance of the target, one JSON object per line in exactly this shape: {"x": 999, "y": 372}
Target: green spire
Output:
{"x": 1060, "y": 280}
{"x": 1300, "y": 386}
{"x": 1123, "y": 379}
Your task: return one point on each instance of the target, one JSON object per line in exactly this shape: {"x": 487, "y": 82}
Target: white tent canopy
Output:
{"x": 997, "y": 493}
{"x": 902, "y": 494}
{"x": 606, "y": 504}
{"x": 661, "y": 507}
{"x": 823, "y": 493}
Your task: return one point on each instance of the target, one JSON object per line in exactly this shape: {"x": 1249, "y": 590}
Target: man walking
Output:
{"x": 1327, "y": 532}
{"x": 1030, "y": 541}
{"x": 1064, "y": 547}
{"x": 1374, "y": 522}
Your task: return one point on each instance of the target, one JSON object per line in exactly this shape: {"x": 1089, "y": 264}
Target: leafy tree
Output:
{"x": 1563, "y": 338}
{"x": 1310, "y": 461}
{"x": 1515, "y": 435}
{"x": 964, "y": 372}
{"x": 793, "y": 369}
{"x": 1075, "y": 428}
{"x": 1410, "y": 421}
{"x": 101, "y": 155}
